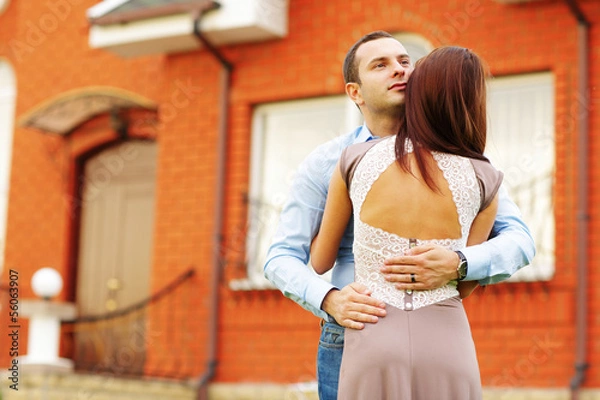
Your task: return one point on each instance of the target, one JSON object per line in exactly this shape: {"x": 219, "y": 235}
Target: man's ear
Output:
{"x": 353, "y": 91}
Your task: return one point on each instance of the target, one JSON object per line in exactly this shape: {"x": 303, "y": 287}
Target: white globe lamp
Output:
{"x": 46, "y": 283}
{"x": 44, "y": 321}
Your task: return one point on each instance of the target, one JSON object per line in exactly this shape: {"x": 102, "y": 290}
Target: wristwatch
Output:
{"x": 462, "y": 267}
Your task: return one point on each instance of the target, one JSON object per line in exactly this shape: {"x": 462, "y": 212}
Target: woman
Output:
{"x": 428, "y": 184}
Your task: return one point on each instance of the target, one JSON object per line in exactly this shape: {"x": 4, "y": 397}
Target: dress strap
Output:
{"x": 376, "y": 160}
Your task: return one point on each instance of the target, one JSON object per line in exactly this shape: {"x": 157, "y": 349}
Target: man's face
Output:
{"x": 384, "y": 68}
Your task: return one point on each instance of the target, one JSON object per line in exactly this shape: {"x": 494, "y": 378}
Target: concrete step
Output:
{"x": 53, "y": 385}
{"x": 75, "y": 386}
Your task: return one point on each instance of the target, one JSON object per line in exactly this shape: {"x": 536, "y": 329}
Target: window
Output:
{"x": 7, "y": 115}
{"x": 521, "y": 144}
{"x": 283, "y": 134}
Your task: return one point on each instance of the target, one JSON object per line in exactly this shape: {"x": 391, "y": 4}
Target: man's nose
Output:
{"x": 399, "y": 69}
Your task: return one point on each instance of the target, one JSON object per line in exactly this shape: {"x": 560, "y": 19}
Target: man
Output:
{"x": 376, "y": 70}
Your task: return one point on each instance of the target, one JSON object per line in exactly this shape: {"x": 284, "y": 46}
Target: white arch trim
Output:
{"x": 416, "y": 45}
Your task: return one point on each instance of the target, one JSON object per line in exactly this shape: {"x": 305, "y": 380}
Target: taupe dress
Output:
{"x": 423, "y": 348}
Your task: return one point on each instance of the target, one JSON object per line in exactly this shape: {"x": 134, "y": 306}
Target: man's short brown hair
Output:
{"x": 350, "y": 68}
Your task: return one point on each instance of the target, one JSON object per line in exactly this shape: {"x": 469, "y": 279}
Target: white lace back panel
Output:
{"x": 373, "y": 245}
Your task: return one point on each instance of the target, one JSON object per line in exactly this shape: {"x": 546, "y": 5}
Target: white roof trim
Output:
{"x": 104, "y": 7}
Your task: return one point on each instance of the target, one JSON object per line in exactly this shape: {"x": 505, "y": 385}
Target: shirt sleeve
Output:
{"x": 510, "y": 248}
{"x": 287, "y": 259}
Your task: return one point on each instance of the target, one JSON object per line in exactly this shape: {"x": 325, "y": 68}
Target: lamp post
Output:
{"x": 44, "y": 321}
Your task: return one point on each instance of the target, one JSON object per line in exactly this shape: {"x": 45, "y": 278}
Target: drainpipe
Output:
{"x": 583, "y": 217}
{"x": 225, "y": 81}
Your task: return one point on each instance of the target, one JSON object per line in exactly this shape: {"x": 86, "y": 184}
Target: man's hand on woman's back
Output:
{"x": 353, "y": 306}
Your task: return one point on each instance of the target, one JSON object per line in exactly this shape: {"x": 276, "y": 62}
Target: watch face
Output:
{"x": 462, "y": 270}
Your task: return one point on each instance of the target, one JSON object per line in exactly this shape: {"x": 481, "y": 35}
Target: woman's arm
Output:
{"x": 479, "y": 233}
{"x": 338, "y": 209}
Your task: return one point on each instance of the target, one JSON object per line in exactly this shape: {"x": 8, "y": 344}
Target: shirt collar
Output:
{"x": 363, "y": 135}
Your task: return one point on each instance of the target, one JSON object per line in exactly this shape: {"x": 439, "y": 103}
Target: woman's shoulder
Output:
{"x": 485, "y": 170}
{"x": 361, "y": 148}
{"x": 489, "y": 179}
{"x": 353, "y": 154}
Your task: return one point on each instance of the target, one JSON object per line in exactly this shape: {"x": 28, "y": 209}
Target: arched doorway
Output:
{"x": 113, "y": 217}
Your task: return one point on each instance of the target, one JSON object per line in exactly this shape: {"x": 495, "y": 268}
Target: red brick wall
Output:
{"x": 524, "y": 332}
{"x": 593, "y": 251}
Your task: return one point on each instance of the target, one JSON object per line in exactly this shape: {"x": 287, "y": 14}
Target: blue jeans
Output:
{"x": 329, "y": 360}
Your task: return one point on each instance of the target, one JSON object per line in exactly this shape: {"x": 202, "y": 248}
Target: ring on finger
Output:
{"x": 413, "y": 278}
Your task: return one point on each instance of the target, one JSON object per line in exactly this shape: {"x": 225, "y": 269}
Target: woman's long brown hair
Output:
{"x": 445, "y": 108}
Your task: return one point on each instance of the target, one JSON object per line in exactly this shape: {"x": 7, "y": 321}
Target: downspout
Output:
{"x": 227, "y": 68}
{"x": 581, "y": 364}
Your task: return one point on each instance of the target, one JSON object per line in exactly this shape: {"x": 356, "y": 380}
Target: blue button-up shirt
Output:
{"x": 286, "y": 265}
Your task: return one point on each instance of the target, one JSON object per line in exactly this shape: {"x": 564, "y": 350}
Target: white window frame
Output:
{"x": 521, "y": 143}
{"x": 264, "y": 209}
{"x": 8, "y": 91}
{"x": 539, "y": 122}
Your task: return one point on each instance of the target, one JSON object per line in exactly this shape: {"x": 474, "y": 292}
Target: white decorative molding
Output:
{"x": 169, "y": 34}
{"x": 103, "y": 7}
{"x": 235, "y": 21}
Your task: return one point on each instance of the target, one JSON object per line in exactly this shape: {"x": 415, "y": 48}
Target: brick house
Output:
{"x": 146, "y": 161}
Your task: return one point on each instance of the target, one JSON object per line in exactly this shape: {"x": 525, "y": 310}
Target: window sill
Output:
{"x": 249, "y": 283}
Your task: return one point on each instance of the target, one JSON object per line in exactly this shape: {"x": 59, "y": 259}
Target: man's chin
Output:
{"x": 397, "y": 103}
{"x": 397, "y": 98}
{"x": 394, "y": 111}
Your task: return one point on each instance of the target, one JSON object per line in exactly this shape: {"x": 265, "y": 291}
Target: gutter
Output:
{"x": 581, "y": 339}
{"x": 225, "y": 83}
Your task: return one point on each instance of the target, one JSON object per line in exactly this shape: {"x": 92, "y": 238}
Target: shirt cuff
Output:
{"x": 478, "y": 262}
{"x": 316, "y": 295}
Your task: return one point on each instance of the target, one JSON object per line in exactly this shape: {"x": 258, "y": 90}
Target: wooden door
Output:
{"x": 115, "y": 256}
